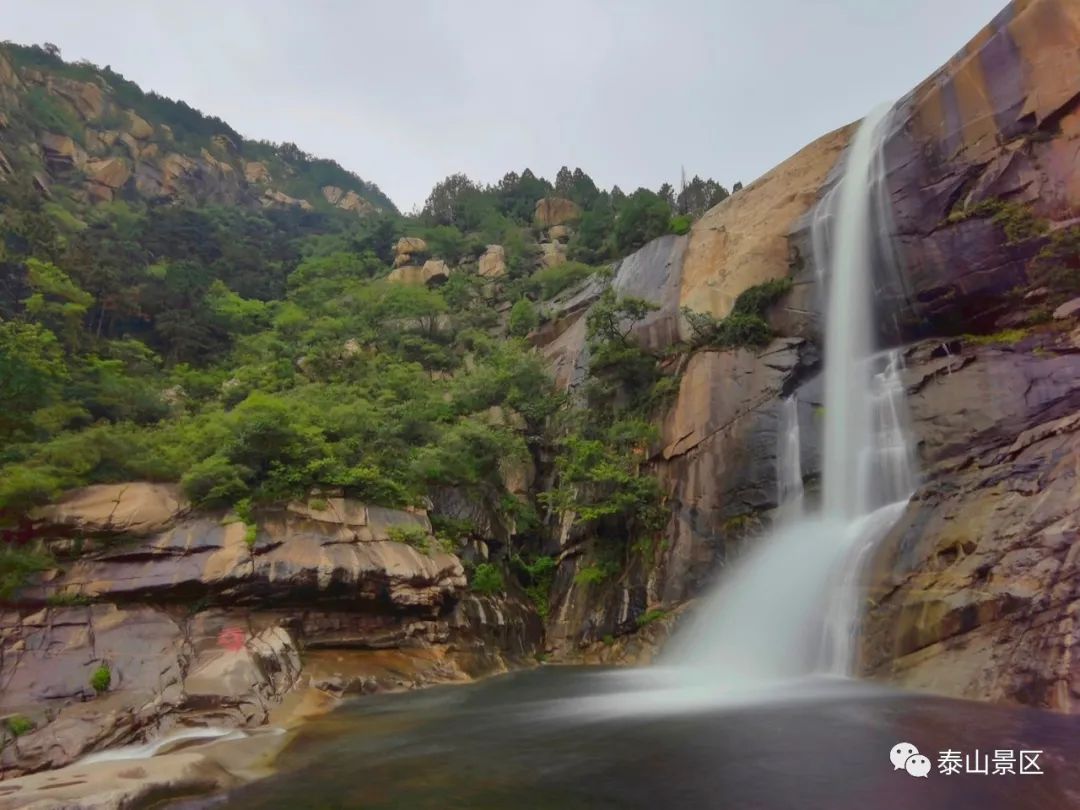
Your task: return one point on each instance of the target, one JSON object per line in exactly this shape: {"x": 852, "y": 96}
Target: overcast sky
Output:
{"x": 405, "y": 93}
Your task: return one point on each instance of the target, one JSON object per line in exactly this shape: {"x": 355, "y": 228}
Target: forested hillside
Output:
{"x": 261, "y": 344}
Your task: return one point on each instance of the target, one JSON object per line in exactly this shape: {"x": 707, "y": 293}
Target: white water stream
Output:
{"x": 790, "y": 606}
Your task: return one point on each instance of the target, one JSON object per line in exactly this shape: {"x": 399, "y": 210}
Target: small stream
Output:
{"x": 565, "y": 738}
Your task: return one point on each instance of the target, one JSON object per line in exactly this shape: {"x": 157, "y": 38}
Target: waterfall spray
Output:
{"x": 790, "y": 606}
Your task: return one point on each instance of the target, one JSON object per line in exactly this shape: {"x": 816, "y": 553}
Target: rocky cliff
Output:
{"x": 83, "y": 134}
{"x": 973, "y": 593}
{"x": 199, "y": 622}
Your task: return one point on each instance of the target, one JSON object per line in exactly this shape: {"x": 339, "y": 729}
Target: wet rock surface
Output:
{"x": 197, "y": 627}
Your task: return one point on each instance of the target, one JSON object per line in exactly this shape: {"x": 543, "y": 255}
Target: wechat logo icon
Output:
{"x": 905, "y": 756}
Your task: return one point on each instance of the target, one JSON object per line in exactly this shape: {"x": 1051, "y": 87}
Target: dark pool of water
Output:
{"x": 525, "y": 741}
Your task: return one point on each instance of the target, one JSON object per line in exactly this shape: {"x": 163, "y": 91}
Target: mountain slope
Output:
{"x": 89, "y": 135}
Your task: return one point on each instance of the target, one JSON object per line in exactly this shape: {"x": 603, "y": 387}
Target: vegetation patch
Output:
{"x": 650, "y": 616}
{"x": 487, "y": 580}
{"x": 745, "y": 326}
{"x": 1017, "y": 220}
{"x": 18, "y": 724}
{"x": 101, "y": 679}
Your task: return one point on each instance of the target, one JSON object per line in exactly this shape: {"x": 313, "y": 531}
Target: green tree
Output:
{"x": 523, "y": 318}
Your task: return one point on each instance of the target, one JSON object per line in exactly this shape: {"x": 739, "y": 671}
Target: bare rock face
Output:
{"x": 492, "y": 263}
{"x": 407, "y": 248}
{"x": 62, "y": 153}
{"x": 199, "y": 626}
{"x": 999, "y": 122}
{"x": 974, "y": 591}
{"x": 137, "y": 508}
{"x": 256, "y": 172}
{"x": 743, "y": 241}
{"x": 118, "y": 785}
{"x": 434, "y": 272}
{"x": 551, "y": 211}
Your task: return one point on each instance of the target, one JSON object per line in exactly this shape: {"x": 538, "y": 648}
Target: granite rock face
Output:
{"x": 198, "y": 625}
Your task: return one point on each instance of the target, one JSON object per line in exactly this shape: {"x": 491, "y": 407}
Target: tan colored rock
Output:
{"x": 406, "y": 248}
{"x": 61, "y": 152}
{"x": 1067, "y": 310}
{"x": 333, "y": 194}
{"x": 138, "y": 127}
{"x": 136, "y": 508}
{"x": 492, "y": 263}
{"x": 743, "y": 241}
{"x": 555, "y": 211}
{"x": 87, "y": 98}
{"x": 560, "y": 233}
{"x": 256, "y": 172}
{"x": 111, "y": 172}
{"x": 552, "y": 254}
{"x": 9, "y": 79}
{"x": 433, "y": 272}
{"x": 355, "y": 203}
{"x": 273, "y": 198}
{"x": 119, "y": 784}
{"x": 225, "y": 144}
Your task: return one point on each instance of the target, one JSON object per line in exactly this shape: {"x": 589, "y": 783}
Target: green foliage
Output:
{"x": 411, "y": 535}
{"x": 101, "y": 679}
{"x": 538, "y": 576}
{"x": 17, "y": 564}
{"x": 1017, "y": 220}
{"x": 19, "y": 724}
{"x": 643, "y": 217}
{"x": 49, "y": 114}
{"x": 1057, "y": 265}
{"x": 523, "y": 318}
{"x": 650, "y": 616}
{"x": 681, "y": 224}
{"x": 68, "y": 599}
{"x": 553, "y": 280}
{"x": 1007, "y": 337}
{"x": 745, "y": 325}
{"x": 487, "y": 580}
{"x": 594, "y": 574}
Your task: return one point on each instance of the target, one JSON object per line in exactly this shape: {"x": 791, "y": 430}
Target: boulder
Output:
{"x": 492, "y": 263}
{"x": 408, "y": 247}
{"x": 111, "y": 172}
{"x": 87, "y": 98}
{"x": 137, "y": 508}
{"x": 552, "y": 254}
{"x": 256, "y": 172}
{"x": 333, "y": 194}
{"x": 552, "y": 211}
{"x": 138, "y": 127}
{"x": 357, "y": 204}
{"x": 279, "y": 199}
{"x": 434, "y": 272}
{"x": 1069, "y": 309}
{"x": 61, "y": 152}
{"x": 560, "y": 233}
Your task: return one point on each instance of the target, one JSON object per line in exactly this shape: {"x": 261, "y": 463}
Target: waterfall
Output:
{"x": 790, "y": 605}
{"x": 789, "y": 481}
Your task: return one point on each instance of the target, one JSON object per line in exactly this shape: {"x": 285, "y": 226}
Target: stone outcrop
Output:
{"x": 975, "y": 591}
{"x": 347, "y": 200}
{"x": 407, "y": 249}
{"x": 998, "y": 122}
{"x": 492, "y": 263}
{"x": 199, "y": 625}
{"x": 136, "y": 509}
{"x": 433, "y": 273}
{"x": 551, "y": 211}
{"x": 256, "y": 172}
{"x": 62, "y": 153}
{"x": 744, "y": 240}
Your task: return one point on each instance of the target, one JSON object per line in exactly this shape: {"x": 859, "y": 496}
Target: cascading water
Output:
{"x": 790, "y": 606}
